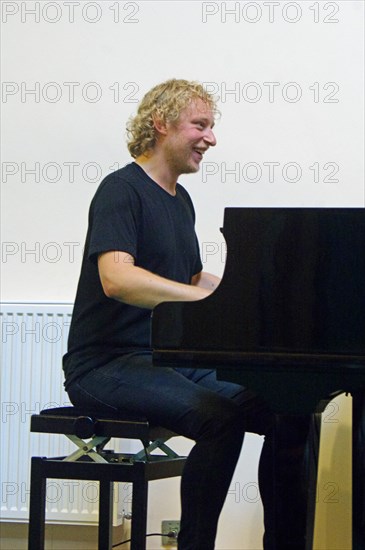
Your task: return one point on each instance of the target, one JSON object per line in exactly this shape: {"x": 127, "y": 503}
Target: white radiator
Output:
{"x": 33, "y": 340}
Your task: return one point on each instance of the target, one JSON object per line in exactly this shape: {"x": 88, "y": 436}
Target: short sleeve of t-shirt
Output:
{"x": 113, "y": 217}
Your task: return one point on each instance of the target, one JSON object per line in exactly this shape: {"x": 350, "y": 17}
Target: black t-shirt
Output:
{"x": 130, "y": 213}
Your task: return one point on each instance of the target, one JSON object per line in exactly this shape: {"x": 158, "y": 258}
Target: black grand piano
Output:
{"x": 287, "y": 320}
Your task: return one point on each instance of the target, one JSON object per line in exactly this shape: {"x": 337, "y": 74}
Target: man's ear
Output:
{"x": 160, "y": 125}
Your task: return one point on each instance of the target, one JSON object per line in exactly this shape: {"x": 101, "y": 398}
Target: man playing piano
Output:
{"x": 141, "y": 249}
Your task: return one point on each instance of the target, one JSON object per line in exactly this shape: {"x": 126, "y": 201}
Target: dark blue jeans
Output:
{"x": 193, "y": 403}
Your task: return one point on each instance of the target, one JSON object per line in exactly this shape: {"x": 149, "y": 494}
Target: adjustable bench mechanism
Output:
{"x": 86, "y": 448}
{"x": 148, "y": 447}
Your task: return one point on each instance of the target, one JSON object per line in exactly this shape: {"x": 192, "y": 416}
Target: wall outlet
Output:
{"x": 169, "y": 526}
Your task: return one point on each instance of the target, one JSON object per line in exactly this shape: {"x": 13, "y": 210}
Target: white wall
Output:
{"x": 290, "y": 79}
{"x": 320, "y": 64}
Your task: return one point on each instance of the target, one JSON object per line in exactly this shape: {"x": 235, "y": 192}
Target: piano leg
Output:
{"x": 358, "y": 471}
{"x": 290, "y": 508}
{"x": 311, "y": 465}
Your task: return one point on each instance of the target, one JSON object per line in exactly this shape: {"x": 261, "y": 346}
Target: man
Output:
{"x": 141, "y": 249}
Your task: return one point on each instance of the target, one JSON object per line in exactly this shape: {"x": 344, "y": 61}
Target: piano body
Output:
{"x": 287, "y": 320}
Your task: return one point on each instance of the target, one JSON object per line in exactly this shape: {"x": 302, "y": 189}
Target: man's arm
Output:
{"x": 133, "y": 285}
{"x": 206, "y": 280}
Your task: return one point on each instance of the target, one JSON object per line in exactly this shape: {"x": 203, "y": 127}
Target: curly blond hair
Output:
{"x": 165, "y": 101}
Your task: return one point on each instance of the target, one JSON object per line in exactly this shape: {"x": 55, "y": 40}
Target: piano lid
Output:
{"x": 293, "y": 287}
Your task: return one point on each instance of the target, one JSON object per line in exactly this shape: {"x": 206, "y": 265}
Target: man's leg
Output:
{"x": 194, "y": 405}
{"x": 288, "y": 453}
{"x": 251, "y": 415}
{"x": 287, "y": 476}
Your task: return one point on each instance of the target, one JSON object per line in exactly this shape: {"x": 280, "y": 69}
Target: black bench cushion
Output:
{"x": 88, "y": 422}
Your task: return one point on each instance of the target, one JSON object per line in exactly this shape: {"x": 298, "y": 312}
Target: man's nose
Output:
{"x": 210, "y": 137}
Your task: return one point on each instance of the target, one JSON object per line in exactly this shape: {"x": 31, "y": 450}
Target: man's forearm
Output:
{"x": 133, "y": 285}
{"x": 147, "y": 290}
{"x": 206, "y": 280}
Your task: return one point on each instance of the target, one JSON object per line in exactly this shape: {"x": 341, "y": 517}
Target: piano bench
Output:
{"x": 91, "y": 462}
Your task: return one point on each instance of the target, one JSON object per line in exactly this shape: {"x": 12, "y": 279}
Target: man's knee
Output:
{"x": 220, "y": 421}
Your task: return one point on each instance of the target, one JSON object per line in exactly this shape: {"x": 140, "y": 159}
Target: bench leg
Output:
{"x": 139, "y": 515}
{"x": 37, "y": 506}
{"x": 105, "y": 515}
